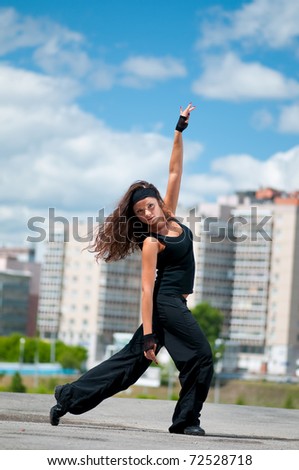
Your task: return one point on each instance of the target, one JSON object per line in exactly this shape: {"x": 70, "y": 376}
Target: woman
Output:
{"x": 167, "y": 280}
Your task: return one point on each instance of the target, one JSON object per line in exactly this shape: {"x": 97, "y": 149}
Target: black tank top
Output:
{"x": 175, "y": 264}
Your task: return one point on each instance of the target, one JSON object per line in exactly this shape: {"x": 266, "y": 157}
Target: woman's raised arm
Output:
{"x": 176, "y": 160}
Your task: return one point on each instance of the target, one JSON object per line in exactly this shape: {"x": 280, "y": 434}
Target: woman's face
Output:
{"x": 149, "y": 212}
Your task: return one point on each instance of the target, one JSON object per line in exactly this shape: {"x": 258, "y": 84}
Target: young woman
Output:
{"x": 167, "y": 280}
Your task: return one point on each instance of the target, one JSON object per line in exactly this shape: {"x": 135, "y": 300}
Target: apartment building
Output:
{"x": 14, "y": 301}
{"x": 51, "y": 285}
{"x": 250, "y": 288}
{"x": 282, "y": 334}
{"x": 214, "y": 257}
{"x": 119, "y": 297}
{"x": 251, "y": 275}
{"x": 19, "y": 290}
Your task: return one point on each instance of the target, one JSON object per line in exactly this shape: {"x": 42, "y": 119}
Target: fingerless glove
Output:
{"x": 149, "y": 341}
{"x": 182, "y": 124}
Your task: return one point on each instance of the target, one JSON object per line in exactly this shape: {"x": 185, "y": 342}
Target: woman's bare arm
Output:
{"x": 176, "y": 164}
{"x": 149, "y": 260}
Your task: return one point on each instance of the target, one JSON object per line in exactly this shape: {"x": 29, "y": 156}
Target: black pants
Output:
{"x": 181, "y": 335}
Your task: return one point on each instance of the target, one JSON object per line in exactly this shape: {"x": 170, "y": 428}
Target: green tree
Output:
{"x": 71, "y": 357}
{"x": 289, "y": 403}
{"x": 210, "y": 320}
{"x": 36, "y": 347}
{"x": 10, "y": 347}
{"x": 17, "y": 385}
{"x": 67, "y": 356}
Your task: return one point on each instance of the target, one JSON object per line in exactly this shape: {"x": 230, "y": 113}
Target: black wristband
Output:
{"x": 182, "y": 124}
{"x": 149, "y": 341}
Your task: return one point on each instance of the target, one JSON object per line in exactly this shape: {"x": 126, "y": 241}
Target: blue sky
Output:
{"x": 90, "y": 93}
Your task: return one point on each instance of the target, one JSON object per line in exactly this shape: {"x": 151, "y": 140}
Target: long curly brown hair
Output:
{"x": 122, "y": 232}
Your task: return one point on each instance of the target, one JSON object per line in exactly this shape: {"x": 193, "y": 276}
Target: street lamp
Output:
{"x": 53, "y": 346}
{"x": 218, "y": 368}
{"x": 22, "y": 349}
{"x": 36, "y": 362}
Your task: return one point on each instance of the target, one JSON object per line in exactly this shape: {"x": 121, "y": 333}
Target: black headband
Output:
{"x": 142, "y": 193}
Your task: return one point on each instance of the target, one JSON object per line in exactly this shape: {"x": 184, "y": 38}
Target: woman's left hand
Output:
{"x": 186, "y": 112}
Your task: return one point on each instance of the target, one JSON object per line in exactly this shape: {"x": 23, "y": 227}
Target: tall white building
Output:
{"x": 214, "y": 257}
{"x": 282, "y": 338}
{"x": 251, "y": 276}
{"x": 51, "y": 285}
{"x": 247, "y": 265}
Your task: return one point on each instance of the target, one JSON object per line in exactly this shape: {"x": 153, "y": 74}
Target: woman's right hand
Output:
{"x": 150, "y": 346}
{"x": 150, "y": 354}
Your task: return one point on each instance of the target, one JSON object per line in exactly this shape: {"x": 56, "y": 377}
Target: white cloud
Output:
{"x": 136, "y": 72}
{"x": 280, "y": 171}
{"x": 19, "y": 31}
{"x": 228, "y": 78}
{"x": 25, "y": 88}
{"x": 103, "y": 76}
{"x": 198, "y": 187}
{"x": 289, "y": 119}
{"x": 274, "y": 23}
{"x": 88, "y": 169}
{"x": 144, "y": 70}
{"x": 262, "y": 119}
{"x": 54, "y": 58}
{"x": 55, "y": 155}
{"x": 242, "y": 172}
{"x": 54, "y": 48}
{"x": 59, "y": 51}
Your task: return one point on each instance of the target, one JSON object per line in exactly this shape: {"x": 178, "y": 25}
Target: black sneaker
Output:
{"x": 56, "y": 411}
{"x": 55, "y": 415}
{"x": 195, "y": 430}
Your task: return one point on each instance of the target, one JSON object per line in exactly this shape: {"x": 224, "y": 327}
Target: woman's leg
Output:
{"x": 191, "y": 353}
{"x": 106, "y": 379}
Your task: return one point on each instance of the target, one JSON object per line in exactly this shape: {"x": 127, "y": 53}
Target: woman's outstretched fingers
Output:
{"x": 186, "y": 112}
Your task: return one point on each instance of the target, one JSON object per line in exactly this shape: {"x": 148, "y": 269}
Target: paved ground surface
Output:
{"x": 127, "y": 423}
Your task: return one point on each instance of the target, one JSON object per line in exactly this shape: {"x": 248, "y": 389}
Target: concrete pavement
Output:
{"x": 127, "y": 423}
